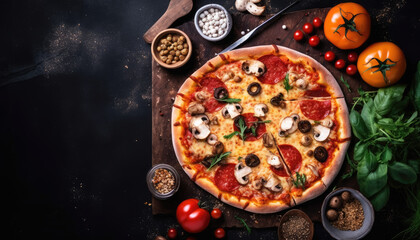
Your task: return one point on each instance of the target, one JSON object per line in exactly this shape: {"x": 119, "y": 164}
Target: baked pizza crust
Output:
{"x": 255, "y": 52}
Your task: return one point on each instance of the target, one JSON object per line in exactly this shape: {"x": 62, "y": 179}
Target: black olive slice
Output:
{"x": 218, "y": 148}
{"x": 304, "y": 126}
{"x": 321, "y": 154}
{"x": 236, "y": 121}
{"x": 220, "y": 93}
{"x": 252, "y": 160}
{"x": 254, "y": 89}
{"x": 277, "y": 100}
{"x": 207, "y": 161}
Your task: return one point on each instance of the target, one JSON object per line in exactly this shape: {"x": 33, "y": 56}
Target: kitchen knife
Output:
{"x": 258, "y": 29}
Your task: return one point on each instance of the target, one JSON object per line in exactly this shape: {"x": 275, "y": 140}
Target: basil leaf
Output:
{"x": 387, "y": 98}
{"x": 371, "y": 182}
{"x": 358, "y": 125}
{"x": 360, "y": 150}
{"x": 415, "y": 164}
{"x": 368, "y": 116}
{"x": 402, "y": 173}
{"x": 380, "y": 199}
{"x": 370, "y": 160}
{"x": 385, "y": 156}
{"x": 229, "y": 100}
{"x": 286, "y": 83}
{"x": 415, "y": 89}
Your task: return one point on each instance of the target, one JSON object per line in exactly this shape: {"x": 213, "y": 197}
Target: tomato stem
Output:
{"x": 348, "y": 24}
{"x": 382, "y": 67}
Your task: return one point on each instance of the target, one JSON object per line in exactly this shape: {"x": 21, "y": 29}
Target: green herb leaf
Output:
{"x": 300, "y": 181}
{"x": 380, "y": 199}
{"x": 415, "y": 89}
{"x": 286, "y": 83}
{"x": 242, "y": 128}
{"x": 387, "y": 98}
{"x": 368, "y": 116}
{"x": 358, "y": 125}
{"x": 229, "y": 136}
{"x": 244, "y": 223}
{"x": 253, "y": 130}
{"x": 229, "y": 100}
{"x": 402, "y": 173}
{"x": 371, "y": 182}
{"x": 345, "y": 83}
{"x": 217, "y": 159}
{"x": 266, "y": 121}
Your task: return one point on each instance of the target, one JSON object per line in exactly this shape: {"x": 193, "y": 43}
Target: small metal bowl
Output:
{"x": 156, "y": 42}
{"x": 299, "y": 213}
{"x": 197, "y": 19}
{"x": 367, "y": 211}
{"x": 152, "y": 189}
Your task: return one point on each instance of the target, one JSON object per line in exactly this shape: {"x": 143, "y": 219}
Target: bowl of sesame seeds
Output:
{"x": 213, "y": 22}
{"x": 163, "y": 181}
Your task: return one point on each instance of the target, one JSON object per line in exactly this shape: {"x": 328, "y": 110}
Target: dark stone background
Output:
{"x": 75, "y": 115}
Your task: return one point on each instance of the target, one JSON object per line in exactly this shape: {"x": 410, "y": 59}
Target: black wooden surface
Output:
{"x": 75, "y": 115}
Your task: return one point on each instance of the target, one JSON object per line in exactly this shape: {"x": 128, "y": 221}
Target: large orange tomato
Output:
{"x": 381, "y": 64}
{"x": 347, "y": 25}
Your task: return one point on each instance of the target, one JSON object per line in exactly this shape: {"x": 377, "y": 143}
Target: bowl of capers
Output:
{"x": 171, "y": 48}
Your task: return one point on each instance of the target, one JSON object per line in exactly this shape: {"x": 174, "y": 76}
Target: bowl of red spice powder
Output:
{"x": 163, "y": 181}
{"x": 347, "y": 214}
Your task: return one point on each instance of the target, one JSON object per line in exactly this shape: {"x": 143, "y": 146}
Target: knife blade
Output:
{"x": 258, "y": 29}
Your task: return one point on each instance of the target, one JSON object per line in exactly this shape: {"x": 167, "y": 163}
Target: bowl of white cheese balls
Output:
{"x": 213, "y": 22}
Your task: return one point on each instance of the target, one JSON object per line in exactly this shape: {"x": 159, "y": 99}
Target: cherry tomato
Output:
{"x": 191, "y": 217}
{"x": 298, "y": 35}
{"x": 352, "y": 57}
{"x": 219, "y": 233}
{"x": 308, "y": 28}
{"x": 329, "y": 56}
{"x": 317, "y": 22}
{"x": 172, "y": 233}
{"x": 216, "y": 213}
{"x": 340, "y": 64}
{"x": 314, "y": 41}
{"x": 351, "y": 69}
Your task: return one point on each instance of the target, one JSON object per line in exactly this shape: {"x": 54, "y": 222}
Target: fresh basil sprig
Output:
{"x": 300, "y": 180}
{"x": 217, "y": 159}
{"x": 241, "y": 133}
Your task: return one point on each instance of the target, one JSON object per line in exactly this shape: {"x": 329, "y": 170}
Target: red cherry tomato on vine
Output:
{"x": 351, "y": 69}
{"x": 317, "y": 22}
{"x": 314, "y": 41}
{"x": 329, "y": 56}
{"x": 219, "y": 233}
{"x": 298, "y": 35}
{"x": 352, "y": 57}
{"x": 216, "y": 213}
{"x": 340, "y": 64}
{"x": 191, "y": 217}
{"x": 308, "y": 28}
{"x": 172, "y": 233}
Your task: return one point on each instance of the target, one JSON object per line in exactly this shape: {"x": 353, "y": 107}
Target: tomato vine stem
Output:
{"x": 348, "y": 24}
{"x": 382, "y": 66}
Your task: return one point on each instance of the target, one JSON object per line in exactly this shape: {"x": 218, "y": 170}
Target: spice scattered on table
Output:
{"x": 172, "y": 48}
{"x": 163, "y": 181}
{"x": 346, "y": 212}
{"x": 296, "y": 227}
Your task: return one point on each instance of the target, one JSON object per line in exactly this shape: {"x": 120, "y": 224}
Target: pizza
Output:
{"x": 262, "y": 128}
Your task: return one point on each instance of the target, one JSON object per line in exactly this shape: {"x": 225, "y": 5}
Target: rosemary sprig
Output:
{"x": 300, "y": 181}
{"x": 229, "y": 100}
{"x": 345, "y": 83}
{"x": 241, "y": 133}
{"x": 244, "y": 223}
{"x": 266, "y": 121}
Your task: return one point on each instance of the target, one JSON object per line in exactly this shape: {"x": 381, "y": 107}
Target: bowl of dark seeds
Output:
{"x": 294, "y": 225}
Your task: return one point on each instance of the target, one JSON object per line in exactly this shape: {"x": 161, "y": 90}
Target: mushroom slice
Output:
{"x": 254, "y": 9}
{"x": 286, "y": 123}
{"x": 214, "y": 121}
{"x": 260, "y": 110}
{"x": 212, "y": 139}
{"x": 274, "y": 161}
{"x": 328, "y": 122}
{"x": 283, "y": 133}
{"x": 257, "y": 183}
{"x": 253, "y": 67}
{"x": 196, "y": 108}
{"x": 273, "y": 184}
{"x": 321, "y": 133}
{"x": 228, "y": 76}
{"x": 231, "y": 110}
{"x": 268, "y": 140}
{"x": 201, "y": 131}
{"x": 240, "y": 5}
{"x": 218, "y": 148}
{"x": 241, "y": 173}
{"x": 199, "y": 120}
{"x": 201, "y": 96}
{"x": 305, "y": 140}
{"x": 302, "y": 83}
{"x": 313, "y": 169}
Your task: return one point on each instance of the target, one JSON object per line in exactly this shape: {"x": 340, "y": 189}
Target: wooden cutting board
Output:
{"x": 165, "y": 84}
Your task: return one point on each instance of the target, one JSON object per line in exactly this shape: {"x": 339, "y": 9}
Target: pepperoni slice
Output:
{"x": 250, "y": 120}
{"x": 208, "y": 84}
{"x": 275, "y": 69}
{"x": 292, "y": 157}
{"x": 317, "y": 93}
{"x": 314, "y": 109}
{"x": 225, "y": 178}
